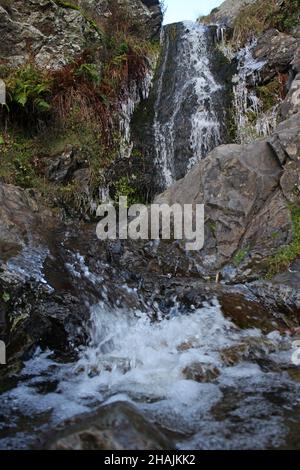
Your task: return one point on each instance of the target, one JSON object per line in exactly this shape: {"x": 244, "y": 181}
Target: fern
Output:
{"x": 90, "y": 72}
{"x": 29, "y": 88}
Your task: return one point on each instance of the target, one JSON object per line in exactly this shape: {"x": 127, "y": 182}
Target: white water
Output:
{"x": 192, "y": 73}
{"x": 131, "y": 359}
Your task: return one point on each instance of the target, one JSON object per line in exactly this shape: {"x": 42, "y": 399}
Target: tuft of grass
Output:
{"x": 269, "y": 94}
{"x": 256, "y": 18}
{"x": 240, "y": 256}
{"x": 6, "y": 4}
{"x": 289, "y": 253}
{"x": 124, "y": 187}
{"x": 16, "y": 161}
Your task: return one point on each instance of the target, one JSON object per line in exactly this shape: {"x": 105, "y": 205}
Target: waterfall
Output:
{"x": 186, "y": 122}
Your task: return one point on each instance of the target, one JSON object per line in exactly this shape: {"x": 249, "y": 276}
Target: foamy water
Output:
{"x": 130, "y": 358}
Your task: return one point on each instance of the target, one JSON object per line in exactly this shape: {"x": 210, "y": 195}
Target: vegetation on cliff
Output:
{"x": 256, "y": 18}
{"x": 76, "y": 104}
{"x": 289, "y": 253}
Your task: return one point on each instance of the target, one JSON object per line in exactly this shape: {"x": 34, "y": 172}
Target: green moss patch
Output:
{"x": 289, "y": 253}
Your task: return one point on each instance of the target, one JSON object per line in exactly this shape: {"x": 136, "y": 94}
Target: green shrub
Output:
{"x": 28, "y": 90}
{"x": 240, "y": 256}
{"x": 123, "y": 187}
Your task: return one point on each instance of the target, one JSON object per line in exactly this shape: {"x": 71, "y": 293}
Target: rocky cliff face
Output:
{"x": 52, "y": 33}
{"x": 77, "y": 69}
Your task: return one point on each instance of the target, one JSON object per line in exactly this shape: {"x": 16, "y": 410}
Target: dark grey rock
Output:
{"x": 277, "y": 50}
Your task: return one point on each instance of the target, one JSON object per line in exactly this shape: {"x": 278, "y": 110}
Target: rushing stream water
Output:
{"x": 129, "y": 358}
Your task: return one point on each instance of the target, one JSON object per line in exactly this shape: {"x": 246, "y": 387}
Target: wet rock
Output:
{"x": 201, "y": 372}
{"x": 294, "y": 373}
{"x": 277, "y": 50}
{"x": 246, "y": 313}
{"x": 253, "y": 349}
{"x": 280, "y": 298}
{"x": 64, "y": 167}
{"x": 35, "y": 316}
{"x": 118, "y": 426}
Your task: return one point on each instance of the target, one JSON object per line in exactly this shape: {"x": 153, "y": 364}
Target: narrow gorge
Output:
{"x": 142, "y": 344}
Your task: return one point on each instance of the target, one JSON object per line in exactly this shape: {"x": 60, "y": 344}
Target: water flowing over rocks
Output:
{"x": 189, "y": 103}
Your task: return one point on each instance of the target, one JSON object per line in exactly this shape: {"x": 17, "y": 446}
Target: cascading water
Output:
{"x": 188, "y": 100}
{"x": 158, "y": 367}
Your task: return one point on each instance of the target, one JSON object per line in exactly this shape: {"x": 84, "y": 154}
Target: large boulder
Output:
{"x": 236, "y": 183}
{"x": 246, "y": 190}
